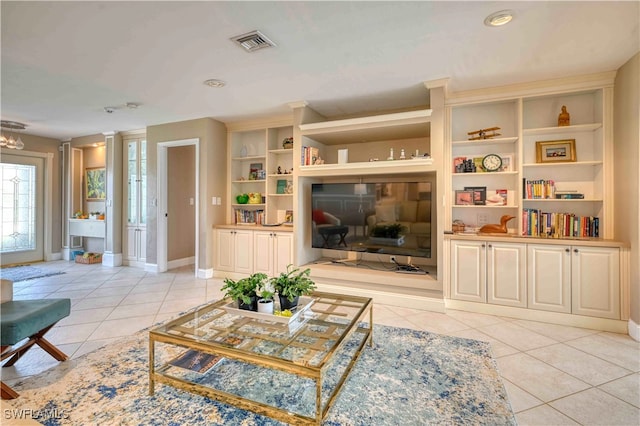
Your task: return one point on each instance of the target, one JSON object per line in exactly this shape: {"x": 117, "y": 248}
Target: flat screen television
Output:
{"x": 392, "y": 218}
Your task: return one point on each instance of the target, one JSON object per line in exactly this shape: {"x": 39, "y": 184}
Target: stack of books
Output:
{"x": 558, "y": 225}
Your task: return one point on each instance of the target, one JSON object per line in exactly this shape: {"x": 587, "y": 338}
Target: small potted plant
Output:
{"x": 287, "y": 143}
{"x": 388, "y": 234}
{"x": 292, "y": 284}
{"x": 244, "y": 290}
{"x": 265, "y": 297}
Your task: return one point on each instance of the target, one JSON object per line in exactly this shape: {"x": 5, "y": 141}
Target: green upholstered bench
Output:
{"x": 22, "y": 319}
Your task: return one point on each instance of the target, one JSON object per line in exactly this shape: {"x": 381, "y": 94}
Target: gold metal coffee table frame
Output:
{"x": 201, "y": 330}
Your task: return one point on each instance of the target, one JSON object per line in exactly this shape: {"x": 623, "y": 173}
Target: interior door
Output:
{"x": 22, "y": 209}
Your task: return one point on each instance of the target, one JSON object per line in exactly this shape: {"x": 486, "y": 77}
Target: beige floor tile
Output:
{"x": 537, "y": 378}
{"x": 121, "y": 282}
{"x": 543, "y": 416}
{"x": 520, "y": 400}
{"x": 181, "y": 305}
{"x": 621, "y": 338}
{"x": 585, "y": 367}
{"x": 136, "y": 298}
{"x": 78, "y": 333}
{"x": 436, "y": 322}
{"x": 92, "y": 345}
{"x": 121, "y": 327}
{"x": 137, "y": 310}
{"x": 186, "y": 293}
{"x": 498, "y": 349}
{"x": 603, "y": 347}
{"x": 34, "y": 361}
{"x": 151, "y": 287}
{"x": 84, "y": 316}
{"x": 626, "y": 388}
{"x": 560, "y": 333}
{"x": 474, "y": 319}
{"x": 110, "y": 291}
{"x": 98, "y": 302}
{"x": 396, "y": 322}
{"x": 517, "y": 336}
{"x": 595, "y": 407}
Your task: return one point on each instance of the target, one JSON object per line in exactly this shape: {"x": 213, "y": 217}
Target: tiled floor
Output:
{"x": 554, "y": 375}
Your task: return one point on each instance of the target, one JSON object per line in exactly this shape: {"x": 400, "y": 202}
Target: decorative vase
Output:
{"x": 243, "y": 151}
{"x": 251, "y": 306}
{"x": 286, "y": 304}
{"x": 242, "y": 198}
{"x": 265, "y": 306}
{"x": 255, "y": 198}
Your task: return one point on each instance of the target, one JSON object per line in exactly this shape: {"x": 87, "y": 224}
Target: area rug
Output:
{"x": 408, "y": 377}
{"x": 25, "y": 272}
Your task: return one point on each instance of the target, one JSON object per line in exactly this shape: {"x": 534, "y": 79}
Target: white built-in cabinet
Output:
{"x": 135, "y": 190}
{"x": 234, "y": 250}
{"x": 489, "y": 272}
{"x": 273, "y": 251}
{"x": 573, "y": 279}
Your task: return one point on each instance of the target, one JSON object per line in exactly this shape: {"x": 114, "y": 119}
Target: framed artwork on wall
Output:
{"x": 95, "y": 181}
{"x": 556, "y": 151}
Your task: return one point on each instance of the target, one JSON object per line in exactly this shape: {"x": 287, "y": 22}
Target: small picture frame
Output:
{"x": 254, "y": 168}
{"x": 464, "y": 198}
{"x": 561, "y": 151}
{"x": 507, "y": 163}
{"x": 95, "y": 181}
{"x": 479, "y": 194}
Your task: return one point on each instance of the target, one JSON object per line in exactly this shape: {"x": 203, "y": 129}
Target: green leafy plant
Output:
{"x": 265, "y": 290}
{"x": 293, "y": 283}
{"x": 243, "y": 289}
{"x": 393, "y": 230}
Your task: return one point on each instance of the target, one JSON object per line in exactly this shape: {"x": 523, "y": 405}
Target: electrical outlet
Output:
{"x": 482, "y": 219}
{"x": 392, "y": 259}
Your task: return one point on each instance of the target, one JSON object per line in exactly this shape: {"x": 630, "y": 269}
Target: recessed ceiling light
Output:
{"x": 109, "y": 109}
{"x": 132, "y": 105}
{"x": 214, "y": 83}
{"x": 499, "y": 18}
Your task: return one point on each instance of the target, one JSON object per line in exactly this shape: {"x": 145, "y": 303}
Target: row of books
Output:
{"x": 250, "y": 216}
{"x": 558, "y": 225}
{"x": 310, "y": 155}
{"x": 539, "y": 189}
{"x": 546, "y": 189}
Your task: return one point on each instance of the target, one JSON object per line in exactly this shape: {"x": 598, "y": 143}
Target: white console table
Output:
{"x": 87, "y": 228}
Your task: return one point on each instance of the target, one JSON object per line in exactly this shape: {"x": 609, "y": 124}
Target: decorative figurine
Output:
{"x": 564, "y": 119}
{"x": 492, "y": 228}
{"x": 319, "y": 161}
{"x": 279, "y": 170}
{"x": 488, "y": 133}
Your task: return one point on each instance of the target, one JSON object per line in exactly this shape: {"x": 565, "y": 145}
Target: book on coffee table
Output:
{"x": 197, "y": 361}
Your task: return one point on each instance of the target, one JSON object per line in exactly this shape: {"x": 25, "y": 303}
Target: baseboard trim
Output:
{"x": 205, "y": 274}
{"x": 151, "y": 267}
{"x": 179, "y": 263}
{"x": 634, "y": 330}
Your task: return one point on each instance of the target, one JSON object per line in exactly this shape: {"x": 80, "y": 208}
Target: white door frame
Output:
{"x": 162, "y": 204}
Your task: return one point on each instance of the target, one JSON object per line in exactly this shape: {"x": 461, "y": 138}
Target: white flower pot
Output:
{"x": 265, "y": 306}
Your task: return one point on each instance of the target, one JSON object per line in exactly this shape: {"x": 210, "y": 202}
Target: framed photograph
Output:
{"x": 507, "y": 163}
{"x": 563, "y": 151}
{"x": 464, "y": 198}
{"x": 254, "y": 168}
{"x": 95, "y": 181}
{"x": 479, "y": 194}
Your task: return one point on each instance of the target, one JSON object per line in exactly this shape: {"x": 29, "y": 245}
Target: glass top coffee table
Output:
{"x": 261, "y": 363}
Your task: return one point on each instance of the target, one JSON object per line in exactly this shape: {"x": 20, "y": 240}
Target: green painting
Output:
{"x": 96, "y": 183}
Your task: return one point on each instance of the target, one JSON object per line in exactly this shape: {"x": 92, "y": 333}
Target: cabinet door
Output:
{"x": 549, "y": 278}
{"x": 595, "y": 282}
{"x": 225, "y": 250}
{"x": 263, "y": 252}
{"x": 142, "y": 244}
{"x": 243, "y": 259}
{"x": 282, "y": 251}
{"x": 468, "y": 280}
{"x": 131, "y": 243}
{"x": 506, "y": 274}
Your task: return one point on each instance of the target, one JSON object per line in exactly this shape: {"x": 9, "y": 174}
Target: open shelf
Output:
{"x": 368, "y": 168}
{"x": 562, "y": 129}
{"x": 485, "y": 142}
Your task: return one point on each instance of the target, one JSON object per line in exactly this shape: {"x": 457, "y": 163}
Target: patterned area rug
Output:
{"x": 25, "y": 272}
{"x": 408, "y": 377}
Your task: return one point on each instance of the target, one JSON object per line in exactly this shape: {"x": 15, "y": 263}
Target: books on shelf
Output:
{"x": 249, "y": 216}
{"x": 538, "y": 189}
{"x": 281, "y": 186}
{"x": 310, "y": 155}
{"x": 558, "y": 225}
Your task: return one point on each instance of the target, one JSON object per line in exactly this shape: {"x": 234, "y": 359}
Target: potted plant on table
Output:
{"x": 292, "y": 284}
{"x": 265, "y": 297}
{"x": 244, "y": 290}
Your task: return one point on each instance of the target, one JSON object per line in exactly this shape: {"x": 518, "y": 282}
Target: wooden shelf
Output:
{"x": 473, "y": 206}
{"x": 565, "y": 200}
{"x": 563, "y": 165}
{"x": 369, "y": 168}
{"x": 484, "y": 174}
{"x": 563, "y": 129}
{"x": 249, "y": 158}
{"x": 484, "y": 142}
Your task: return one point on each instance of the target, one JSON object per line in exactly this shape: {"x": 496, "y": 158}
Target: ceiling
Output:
{"x": 63, "y": 62}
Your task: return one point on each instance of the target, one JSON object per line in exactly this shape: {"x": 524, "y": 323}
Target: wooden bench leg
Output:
{"x": 7, "y": 392}
{"x": 40, "y": 341}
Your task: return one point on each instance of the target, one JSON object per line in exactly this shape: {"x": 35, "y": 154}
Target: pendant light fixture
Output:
{"x": 11, "y": 141}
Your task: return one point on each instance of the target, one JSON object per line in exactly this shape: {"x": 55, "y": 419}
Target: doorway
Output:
{"x": 169, "y": 216}
{"x": 23, "y": 208}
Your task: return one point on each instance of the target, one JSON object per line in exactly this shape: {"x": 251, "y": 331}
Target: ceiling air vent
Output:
{"x": 253, "y": 41}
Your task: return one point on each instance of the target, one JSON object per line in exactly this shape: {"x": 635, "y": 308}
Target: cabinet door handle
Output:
{"x": 575, "y": 250}
{"x": 482, "y": 245}
{"x": 489, "y": 246}
{"x": 567, "y": 250}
